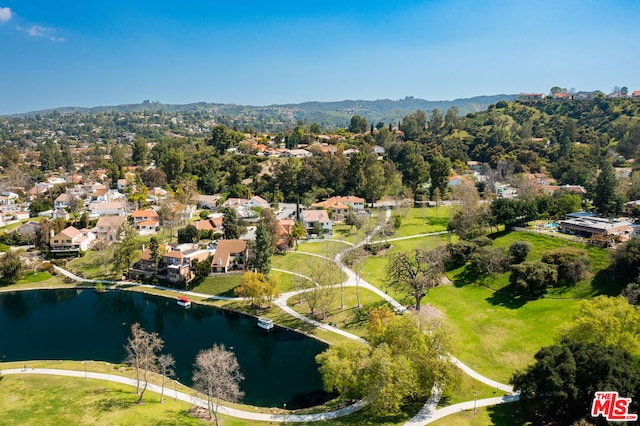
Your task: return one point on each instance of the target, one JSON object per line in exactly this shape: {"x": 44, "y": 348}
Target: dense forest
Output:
{"x": 568, "y": 141}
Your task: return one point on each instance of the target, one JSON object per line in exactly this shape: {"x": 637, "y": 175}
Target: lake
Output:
{"x": 71, "y": 324}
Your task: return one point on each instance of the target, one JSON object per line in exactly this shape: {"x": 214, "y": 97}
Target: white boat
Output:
{"x": 184, "y": 302}
{"x": 265, "y": 323}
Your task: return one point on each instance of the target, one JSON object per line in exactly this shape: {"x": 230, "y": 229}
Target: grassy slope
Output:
{"x": 63, "y": 400}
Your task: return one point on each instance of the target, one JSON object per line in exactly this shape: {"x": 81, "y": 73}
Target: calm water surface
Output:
{"x": 278, "y": 366}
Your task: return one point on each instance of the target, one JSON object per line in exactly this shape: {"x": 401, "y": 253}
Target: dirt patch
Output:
{"x": 430, "y": 312}
{"x": 445, "y": 280}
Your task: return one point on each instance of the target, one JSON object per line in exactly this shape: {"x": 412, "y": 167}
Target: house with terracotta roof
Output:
{"x": 230, "y": 255}
{"x": 144, "y": 215}
{"x": 339, "y": 206}
{"x": 177, "y": 263}
{"x": 635, "y": 94}
{"x": 148, "y": 227}
{"x": 71, "y": 240}
{"x": 213, "y": 224}
{"x": 284, "y": 234}
{"x": 310, "y": 217}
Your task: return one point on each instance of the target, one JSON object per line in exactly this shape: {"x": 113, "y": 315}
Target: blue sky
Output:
{"x": 90, "y": 53}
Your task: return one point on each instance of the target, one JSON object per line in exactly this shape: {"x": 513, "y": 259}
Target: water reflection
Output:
{"x": 74, "y": 324}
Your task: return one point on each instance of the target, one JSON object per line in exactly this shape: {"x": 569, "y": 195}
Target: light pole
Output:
{"x": 175, "y": 388}
{"x": 475, "y": 394}
{"x": 85, "y": 369}
{"x": 285, "y": 413}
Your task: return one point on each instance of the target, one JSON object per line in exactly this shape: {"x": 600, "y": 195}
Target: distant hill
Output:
{"x": 327, "y": 114}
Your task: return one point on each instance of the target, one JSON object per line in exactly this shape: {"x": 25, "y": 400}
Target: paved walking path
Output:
{"x": 193, "y": 399}
{"x": 427, "y": 414}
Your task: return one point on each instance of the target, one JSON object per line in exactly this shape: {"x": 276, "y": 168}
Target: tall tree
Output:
{"x": 439, "y": 175}
{"x": 605, "y": 199}
{"x": 142, "y": 348}
{"x": 231, "y": 227}
{"x": 217, "y": 374}
{"x": 11, "y": 267}
{"x": 358, "y": 124}
{"x": 559, "y": 388}
{"x": 126, "y": 249}
{"x": 139, "y": 152}
{"x": 264, "y": 248}
{"x": 374, "y": 184}
{"x": 416, "y": 272}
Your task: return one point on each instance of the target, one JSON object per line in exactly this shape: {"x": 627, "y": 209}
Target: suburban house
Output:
{"x": 379, "y": 150}
{"x": 145, "y": 267}
{"x": 598, "y": 227}
{"x": 107, "y": 209}
{"x": 29, "y": 229}
{"x": 284, "y": 233}
{"x": 108, "y": 227}
{"x": 635, "y": 94}
{"x": 71, "y": 240}
{"x": 176, "y": 263}
{"x": 148, "y": 227}
{"x": 144, "y": 215}
{"x": 339, "y": 206}
{"x": 296, "y": 153}
{"x": 63, "y": 201}
{"x": 310, "y": 217}
{"x": 210, "y": 224}
{"x": 245, "y": 207}
{"x": 208, "y": 202}
{"x": 155, "y": 195}
{"x": 230, "y": 255}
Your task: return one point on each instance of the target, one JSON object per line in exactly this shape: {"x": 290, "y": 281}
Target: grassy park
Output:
{"x": 495, "y": 332}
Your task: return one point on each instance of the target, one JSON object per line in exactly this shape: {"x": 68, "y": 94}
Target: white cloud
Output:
{"x": 37, "y": 30}
{"x": 5, "y": 14}
{"x": 40, "y": 31}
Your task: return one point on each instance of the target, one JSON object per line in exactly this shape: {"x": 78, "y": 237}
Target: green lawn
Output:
{"x": 328, "y": 248}
{"x": 499, "y": 415}
{"x": 422, "y": 220}
{"x": 297, "y": 262}
{"x": 464, "y": 391}
{"x": 31, "y": 277}
{"x": 52, "y": 400}
{"x": 91, "y": 264}
{"x": 496, "y": 334}
{"x": 218, "y": 285}
{"x": 598, "y": 282}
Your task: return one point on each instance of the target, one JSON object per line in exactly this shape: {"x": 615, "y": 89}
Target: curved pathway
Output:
{"x": 427, "y": 414}
{"x": 193, "y": 399}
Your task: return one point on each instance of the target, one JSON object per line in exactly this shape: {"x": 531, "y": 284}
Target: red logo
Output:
{"x": 612, "y": 407}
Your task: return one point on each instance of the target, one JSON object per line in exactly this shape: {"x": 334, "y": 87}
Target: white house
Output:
{"x": 107, "y": 209}
{"x": 310, "y": 217}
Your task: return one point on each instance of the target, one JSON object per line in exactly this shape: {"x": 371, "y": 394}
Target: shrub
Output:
{"x": 482, "y": 241}
{"x": 519, "y": 251}
{"x": 459, "y": 253}
{"x": 533, "y": 278}
{"x": 489, "y": 260}
{"x": 572, "y": 263}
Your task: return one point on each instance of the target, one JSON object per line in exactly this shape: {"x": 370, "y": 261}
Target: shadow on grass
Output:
{"x": 511, "y": 414}
{"x": 603, "y": 282}
{"x": 508, "y": 299}
{"x": 466, "y": 277}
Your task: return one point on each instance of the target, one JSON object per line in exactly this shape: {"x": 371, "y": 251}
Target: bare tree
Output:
{"x": 324, "y": 276}
{"x": 415, "y": 272}
{"x": 217, "y": 374}
{"x": 105, "y": 258}
{"x": 142, "y": 348}
{"x": 165, "y": 364}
